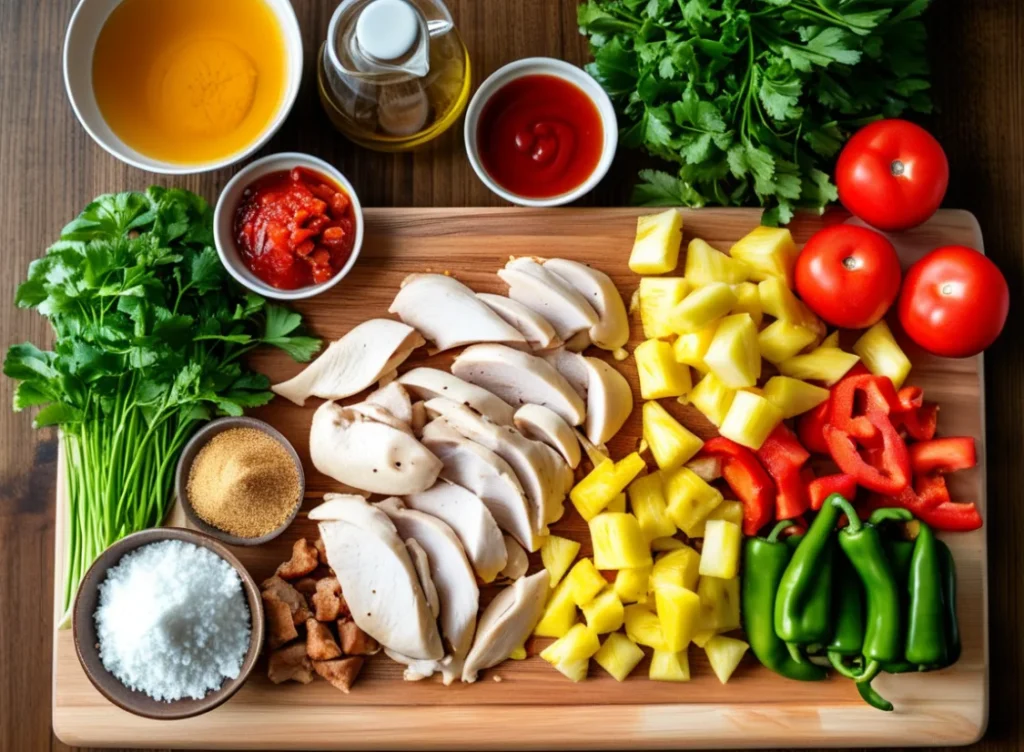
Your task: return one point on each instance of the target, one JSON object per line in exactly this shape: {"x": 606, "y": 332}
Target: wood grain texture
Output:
{"x": 950, "y": 706}
{"x": 49, "y": 169}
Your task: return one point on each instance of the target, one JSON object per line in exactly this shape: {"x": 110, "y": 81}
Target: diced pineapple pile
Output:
{"x": 644, "y": 585}
{"x": 727, "y": 314}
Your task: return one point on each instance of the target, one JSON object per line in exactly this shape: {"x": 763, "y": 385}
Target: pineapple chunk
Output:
{"x": 826, "y": 364}
{"x": 706, "y": 265}
{"x": 606, "y": 481}
{"x": 689, "y": 498}
{"x": 669, "y": 666}
{"x": 558, "y": 555}
{"x": 678, "y": 612}
{"x": 689, "y": 349}
{"x": 618, "y": 541}
{"x": 658, "y": 296}
{"x": 720, "y": 556}
{"x": 559, "y": 613}
{"x": 648, "y": 501}
{"x": 631, "y": 584}
{"x": 781, "y": 340}
{"x": 712, "y": 398}
{"x": 881, "y": 354}
{"x": 724, "y": 655}
{"x": 619, "y": 656}
{"x": 671, "y": 444}
{"x": 748, "y": 300}
{"x": 605, "y": 613}
{"x": 768, "y": 252}
{"x": 831, "y": 340}
{"x": 667, "y": 543}
{"x": 679, "y": 568}
{"x": 618, "y": 504}
{"x": 719, "y": 604}
{"x": 701, "y": 307}
{"x": 701, "y": 637}
{"x": 734, "y": 356}
{"x": 568, "y": 652}
{"x": 732, "y": 511}
{"x": 793, "y": 396}
{"x": 644, "y": 628}
{"x": 661, "y": 375}
{"x": 751, "y": 418}
{"x": 658, "y": 237}
{"x": 584, "y": 582}
{"x": 518, "y": 654}
{"x": 779, "y": 301}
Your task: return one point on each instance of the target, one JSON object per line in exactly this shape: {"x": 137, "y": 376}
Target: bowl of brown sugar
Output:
{"x": 240, "y": 481}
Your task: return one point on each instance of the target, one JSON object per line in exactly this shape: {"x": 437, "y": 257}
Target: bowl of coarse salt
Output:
{"x": 167, "y": 623}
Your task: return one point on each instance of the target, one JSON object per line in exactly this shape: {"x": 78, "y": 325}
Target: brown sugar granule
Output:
{"x": 244, "y": 483}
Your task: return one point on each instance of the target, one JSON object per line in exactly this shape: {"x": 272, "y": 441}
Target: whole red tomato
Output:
{"x": 954, "y": 302}
{"x": 892, "y": 174}
{"x": 848, "y": 275}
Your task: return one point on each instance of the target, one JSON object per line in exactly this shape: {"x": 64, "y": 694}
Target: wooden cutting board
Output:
{"x": 527, "y": 704}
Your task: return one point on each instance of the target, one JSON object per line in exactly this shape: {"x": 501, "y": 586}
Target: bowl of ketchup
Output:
{"x": 288, "y": 226}
{"x": 540, "y": 132}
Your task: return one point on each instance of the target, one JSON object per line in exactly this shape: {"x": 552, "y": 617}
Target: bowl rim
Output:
{"x": 567, "y": 72}
{"x": 292, "y": 31}
{"x": 184, "y": 468}
{"x": 227, "y": 250}
{"x": 80, "y": 632}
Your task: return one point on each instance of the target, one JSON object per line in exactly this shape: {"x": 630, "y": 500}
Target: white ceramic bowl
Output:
{"x": 79, "y": 45}
{"x": 231, "y": 197}
{"x": 531, "y": 66}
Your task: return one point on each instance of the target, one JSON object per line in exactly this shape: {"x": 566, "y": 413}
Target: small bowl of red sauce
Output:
{"x": 288, "y": 226}
{"x": 540, "y": 132}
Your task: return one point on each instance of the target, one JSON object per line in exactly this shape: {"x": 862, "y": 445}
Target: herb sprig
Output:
{"x": 753, "y": 98}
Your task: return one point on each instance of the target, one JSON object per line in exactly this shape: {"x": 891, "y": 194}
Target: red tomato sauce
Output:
{"x": 295, "y": 228}
{"x": 540, "y": 136}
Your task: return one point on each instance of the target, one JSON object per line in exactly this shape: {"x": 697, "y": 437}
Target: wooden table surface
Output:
{"x": 50, "y": 168}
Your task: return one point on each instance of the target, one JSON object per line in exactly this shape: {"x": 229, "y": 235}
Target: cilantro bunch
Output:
{"x": 753, "y": 98}
{"x": 150, "y": 333}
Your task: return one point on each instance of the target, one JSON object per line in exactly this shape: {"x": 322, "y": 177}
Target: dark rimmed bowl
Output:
{"x": 191, "y": 451}
{"x": 86, "y": 646}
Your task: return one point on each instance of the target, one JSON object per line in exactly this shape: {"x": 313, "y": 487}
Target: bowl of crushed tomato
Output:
{"x": 288, "y": 226}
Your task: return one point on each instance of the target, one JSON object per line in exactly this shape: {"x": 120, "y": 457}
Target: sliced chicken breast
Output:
{"x": 548, "y": 295}
{"x": 609, "y": 401}
{"x": 573, "y": 368}
{"x": 368, "y": 455}
{"x": 518, "y": 560}
{"x": 377, "y": 576}
{"x": 611, "y": 332}
{"x": 427, "y": 383}
{"x": 474, "y": 525}
{"x": 354, "y": 362}
{"x": 477, "y": 469}
{"x": 449, "y": 314}
{"x": 520, "y": 378}
{"x": 452, "y": 575}
{"x": 506, "y": 623}
{"x": 537, "y": 330}
{"x": 395, "y": 399}
{"x": 541, "y": 424}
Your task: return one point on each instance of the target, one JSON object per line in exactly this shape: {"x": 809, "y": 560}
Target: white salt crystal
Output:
{"x": 172, "y": 621}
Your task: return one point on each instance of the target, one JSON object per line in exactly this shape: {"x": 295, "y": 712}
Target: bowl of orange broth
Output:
{"x": 182, "y": 86}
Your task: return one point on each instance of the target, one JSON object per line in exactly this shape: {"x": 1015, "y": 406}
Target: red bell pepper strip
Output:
{"x": 821, "y": 488}
{"x": 944, "y": 455}
{"x": 931, "y": 490}
{"x": 880, "y": 399}
{"x": 783, "y": 456}
{"x": 920, "y": 424}
{"x": 947, "y": 515}
{"x": 810, "y": 425}
{"x": 910, "y": 398}
{"x": 889, "y": 474}
{"x": 747, "y": 479}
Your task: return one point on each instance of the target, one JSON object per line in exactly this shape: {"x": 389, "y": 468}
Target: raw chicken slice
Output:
{"x": 518, "y": 561}
{"x": 395, "y": 399}
{"x": 353, "y": 362}
{"x": 611, "y": 332}
{"x": 541, "y": 424}
{"x": 609, "y": 401}
{"x": 535, "y": 328}
{"x": 573, "y": 368}
{"x": 548, "y": 295}
{"x": 427, "y": 383}
{"x": 449, "y": 314}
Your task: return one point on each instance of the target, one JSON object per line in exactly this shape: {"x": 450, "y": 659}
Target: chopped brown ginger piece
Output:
{"x": 355, "y": 641}
{"x": 306, "y": 586}
{"x": 280, "y": 627}
{"x": 304, "y": 560}
{"x": 290, "y": 663}
{"x": 327, "y": 600}
{"x": 341, "y": 673}
{"x": 276, "y": 589}
{"x": 320, "y": 644}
